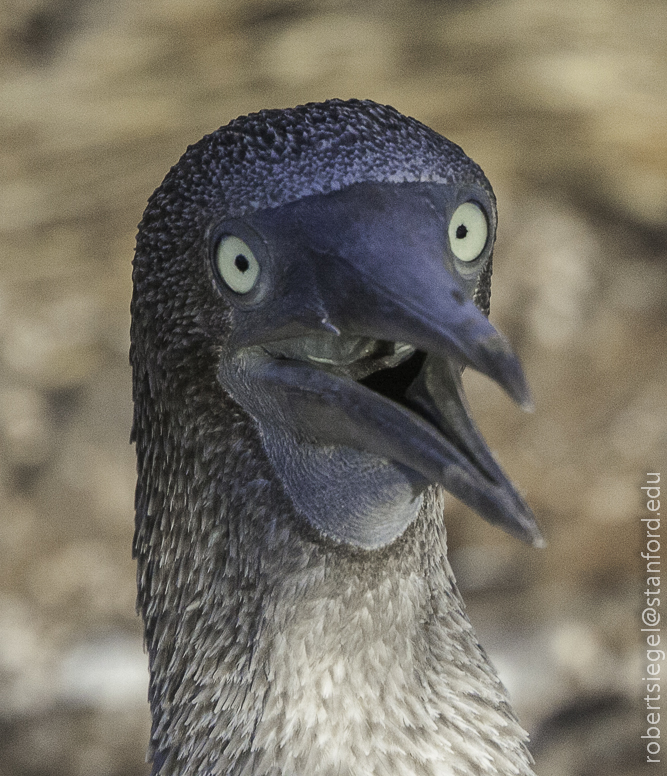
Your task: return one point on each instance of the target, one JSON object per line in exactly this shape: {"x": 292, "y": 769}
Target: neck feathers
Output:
{"x": 274, "y": 652}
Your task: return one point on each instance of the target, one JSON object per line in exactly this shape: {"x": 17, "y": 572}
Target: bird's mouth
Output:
{"x": 399, "y": 402}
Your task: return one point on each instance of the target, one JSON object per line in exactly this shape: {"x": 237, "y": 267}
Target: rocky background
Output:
{"x": 565, "y": 107}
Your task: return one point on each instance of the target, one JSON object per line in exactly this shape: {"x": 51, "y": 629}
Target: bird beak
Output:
{"x": 377, "y": 295}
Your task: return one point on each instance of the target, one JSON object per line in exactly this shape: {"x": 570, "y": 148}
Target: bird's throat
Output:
{"x": 358, "y": 499}
{"x": 271, "y": 655}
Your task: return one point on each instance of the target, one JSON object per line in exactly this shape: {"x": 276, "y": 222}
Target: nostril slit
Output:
{"x": 458, "y": 296}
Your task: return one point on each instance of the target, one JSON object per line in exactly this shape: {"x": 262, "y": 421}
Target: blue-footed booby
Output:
{"x": 308, "y": 286}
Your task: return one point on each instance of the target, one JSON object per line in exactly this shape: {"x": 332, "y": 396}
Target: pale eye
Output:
{"x": 237, "y": 264}
{"x": 468, "y": 231}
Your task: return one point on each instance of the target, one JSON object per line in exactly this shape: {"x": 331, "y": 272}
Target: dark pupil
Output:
{"x": 241, "y": 262}
{"x": 461, "y": 231}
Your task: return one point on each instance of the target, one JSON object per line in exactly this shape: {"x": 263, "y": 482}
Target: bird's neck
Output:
{"x": 273, "y": 654}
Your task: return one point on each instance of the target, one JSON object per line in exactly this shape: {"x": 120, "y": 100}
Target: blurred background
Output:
{"x": 564, "y": 106}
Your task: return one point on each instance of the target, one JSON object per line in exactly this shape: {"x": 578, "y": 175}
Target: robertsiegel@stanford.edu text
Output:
{"x": 651, "y": 617}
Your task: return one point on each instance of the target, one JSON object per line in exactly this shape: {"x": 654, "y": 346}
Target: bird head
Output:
{"x": 328, "y": 269}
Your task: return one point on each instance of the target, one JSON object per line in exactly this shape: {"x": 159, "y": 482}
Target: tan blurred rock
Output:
{"x": 563, "y": 105}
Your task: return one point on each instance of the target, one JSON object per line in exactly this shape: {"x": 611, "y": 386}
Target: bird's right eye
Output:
{"x": 237, "y": 264}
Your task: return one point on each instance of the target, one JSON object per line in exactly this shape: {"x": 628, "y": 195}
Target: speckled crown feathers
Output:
{"x": 273, "y": 157}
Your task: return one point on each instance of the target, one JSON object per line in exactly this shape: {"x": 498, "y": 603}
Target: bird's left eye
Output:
{"x": 468, "y": 231}
{"x": 237, "y": 264}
